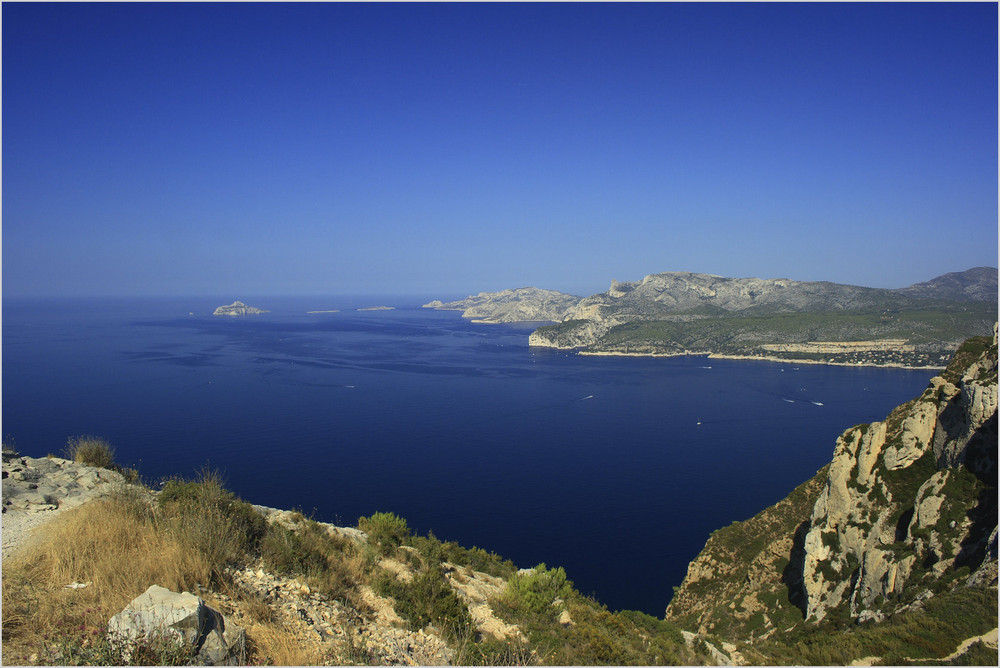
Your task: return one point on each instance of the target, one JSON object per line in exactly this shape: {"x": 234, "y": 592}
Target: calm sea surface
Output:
{"x": 617, "y": 469}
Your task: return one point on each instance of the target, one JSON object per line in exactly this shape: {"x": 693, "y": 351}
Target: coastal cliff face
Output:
{"x": 911, "y": 499}
{"x": 520, "y": 305}
{"x": 905, "y": 511}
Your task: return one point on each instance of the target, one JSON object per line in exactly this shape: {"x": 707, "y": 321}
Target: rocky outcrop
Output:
{"x": 906, "y": 509}
{"x": 896, "y": 510}
{"x": 159, "y": 614}
{"x": 48, "y": 483}
{"x": 37, "y": 489}
{"x": 570, "y": 334}
{"x": 238, "y": 308}
{"x": 520, "y": 305}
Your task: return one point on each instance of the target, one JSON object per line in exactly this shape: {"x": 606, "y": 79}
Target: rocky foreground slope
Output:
{"x": 904, "y": 516}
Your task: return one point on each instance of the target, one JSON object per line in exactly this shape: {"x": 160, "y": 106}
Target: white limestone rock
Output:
{"x": 853, "y": 525}
{"x": 927, "y": 506}
{"x": 917, "y": 432}
{"x": 185, "y": 617}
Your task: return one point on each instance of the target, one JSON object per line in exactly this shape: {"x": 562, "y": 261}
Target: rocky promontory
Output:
{"x": 520, "y": 305}
{"x": 238, "y": 308}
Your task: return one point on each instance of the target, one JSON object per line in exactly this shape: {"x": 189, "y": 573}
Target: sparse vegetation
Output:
{"x": 928, "y": 633}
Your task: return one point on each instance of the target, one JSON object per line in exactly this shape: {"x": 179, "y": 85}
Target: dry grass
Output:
{"x": 114, "y": 546}
{"x": 275, "y": 645}
{"x": 119, "y": 546}
{"x": 91, "y": 450}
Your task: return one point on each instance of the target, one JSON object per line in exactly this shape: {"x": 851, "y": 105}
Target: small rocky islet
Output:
{"x": 238, "y": 308}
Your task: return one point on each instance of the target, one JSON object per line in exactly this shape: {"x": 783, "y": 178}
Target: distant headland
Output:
{"x": 684, "y": 313}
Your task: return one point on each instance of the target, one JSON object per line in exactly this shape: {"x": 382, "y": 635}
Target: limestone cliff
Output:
{"x": 520, "y": 305}
{"x": 911, "y": 499}
{"x": 906, "y": 510}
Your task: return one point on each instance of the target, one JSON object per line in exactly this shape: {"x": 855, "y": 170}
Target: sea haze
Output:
{"x": 617, "y": 469}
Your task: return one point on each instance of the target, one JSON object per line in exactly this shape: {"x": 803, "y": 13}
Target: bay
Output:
{"x": 615, "y": 468}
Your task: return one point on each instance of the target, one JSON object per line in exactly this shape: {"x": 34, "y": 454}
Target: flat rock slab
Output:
{"x": 35, "y": 490}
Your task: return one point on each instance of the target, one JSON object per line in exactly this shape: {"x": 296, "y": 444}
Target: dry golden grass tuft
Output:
{"x": 118, "y": 547}
{"x": 91, "y": 450}
{"x": 114, "y": 546}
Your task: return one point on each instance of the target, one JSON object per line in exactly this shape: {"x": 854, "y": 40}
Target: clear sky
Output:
{"x": 252, "y": 149}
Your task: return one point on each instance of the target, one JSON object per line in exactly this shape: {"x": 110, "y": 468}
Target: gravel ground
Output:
{"x": 16, "y": 527}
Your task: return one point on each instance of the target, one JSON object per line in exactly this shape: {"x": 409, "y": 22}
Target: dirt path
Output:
{"x": 989, "y": 639}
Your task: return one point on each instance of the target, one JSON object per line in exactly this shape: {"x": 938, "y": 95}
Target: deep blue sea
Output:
{"x": 617, "y": 469}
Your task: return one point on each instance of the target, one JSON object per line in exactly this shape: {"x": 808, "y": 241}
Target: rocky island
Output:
{"x": 238, "y": 308}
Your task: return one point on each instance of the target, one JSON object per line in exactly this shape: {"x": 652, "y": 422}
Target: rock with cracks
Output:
{"x": 161, "y": 613}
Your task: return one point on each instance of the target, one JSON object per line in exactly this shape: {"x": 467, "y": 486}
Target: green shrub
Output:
{"x": 433, "y": 551}
{"x": 386, "y": 531}
{"x": 534, "y": 593}
{"x": 427, "y": 599}
{"x": 92, "y": 451}
{"x": 283, "y": 551}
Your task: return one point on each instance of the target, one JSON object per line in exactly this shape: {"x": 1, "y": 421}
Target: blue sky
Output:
{"x": 448, "y": 149}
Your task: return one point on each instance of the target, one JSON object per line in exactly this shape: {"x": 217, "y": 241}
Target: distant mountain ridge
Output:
{"x": 691, "y": 313}
{"x": 974, "y": 285}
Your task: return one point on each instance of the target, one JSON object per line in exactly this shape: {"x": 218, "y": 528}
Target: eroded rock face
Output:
{"x": 185, "y": 617}
{"x": 896, "y": 504}
{"x": 582, "y": 333}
